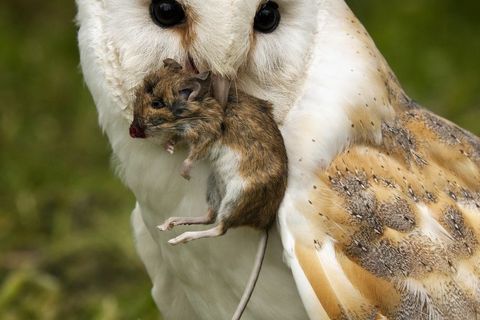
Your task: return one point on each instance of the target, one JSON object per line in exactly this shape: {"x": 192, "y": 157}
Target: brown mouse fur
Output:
{"x": 242, "y": 142}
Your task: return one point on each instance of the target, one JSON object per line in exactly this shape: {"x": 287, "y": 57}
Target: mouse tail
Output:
{"x": 252, "y": 281}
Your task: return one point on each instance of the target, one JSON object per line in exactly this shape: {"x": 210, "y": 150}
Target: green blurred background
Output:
{"x": 66, "y": 250}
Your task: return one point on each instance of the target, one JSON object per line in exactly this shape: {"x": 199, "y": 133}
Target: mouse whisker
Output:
{"x": 194, "y": 118}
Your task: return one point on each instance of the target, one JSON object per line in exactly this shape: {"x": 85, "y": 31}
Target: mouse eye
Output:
{"x": 185, "y": 93}
{"x": 267, "y": 18}
{"x": 167, "y": 13}
{"x": 158, "y": 104}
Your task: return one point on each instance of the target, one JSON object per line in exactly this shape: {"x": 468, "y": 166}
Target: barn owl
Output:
{"x": 381, "y": 218}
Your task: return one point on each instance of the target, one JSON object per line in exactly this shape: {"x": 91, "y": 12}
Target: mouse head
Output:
{"x": 168, "y": 100}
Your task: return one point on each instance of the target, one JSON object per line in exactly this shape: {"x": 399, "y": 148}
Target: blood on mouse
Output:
{"x": 136, "y": 131}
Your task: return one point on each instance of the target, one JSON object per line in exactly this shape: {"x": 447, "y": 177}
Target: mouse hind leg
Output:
{"x": 218, "y": 199}
{"x": 172, "y": 222}
{"x": 214, "y": 198}
{"x": 226, "y": 207}
{"x": 217, "y": 231}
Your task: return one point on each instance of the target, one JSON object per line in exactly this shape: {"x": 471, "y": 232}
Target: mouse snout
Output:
{"x": 137, "y": 131}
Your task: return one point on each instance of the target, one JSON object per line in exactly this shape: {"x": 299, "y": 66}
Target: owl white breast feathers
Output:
{"x": 381, "y": 216}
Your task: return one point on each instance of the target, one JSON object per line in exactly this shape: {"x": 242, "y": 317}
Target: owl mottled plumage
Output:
{"x": 402, "y": 218}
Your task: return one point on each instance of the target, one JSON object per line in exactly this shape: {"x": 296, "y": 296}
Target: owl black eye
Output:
{"x": 267, "y": 18}
{"x": 167, "y": 13}
{"x": 158, "y": 104}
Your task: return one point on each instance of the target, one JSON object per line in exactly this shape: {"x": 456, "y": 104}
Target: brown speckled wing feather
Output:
{"x": 397, "y": 225}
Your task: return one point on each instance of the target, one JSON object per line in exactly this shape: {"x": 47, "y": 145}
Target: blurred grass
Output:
{"x": 65, "y": 243}
{"x": 66, "y": 248}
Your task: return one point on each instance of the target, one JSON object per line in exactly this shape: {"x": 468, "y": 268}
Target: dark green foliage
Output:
{"x": 65, "y": 243}
{"x": 434, "y": 48}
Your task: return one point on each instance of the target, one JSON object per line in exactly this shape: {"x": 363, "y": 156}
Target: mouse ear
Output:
{"x": 204, "y": 76}
{"x": 190, "y": 91}
{"x": 172, "y": 65}
{"x": 150, "y": 82}
{"x": 196, "y": 87}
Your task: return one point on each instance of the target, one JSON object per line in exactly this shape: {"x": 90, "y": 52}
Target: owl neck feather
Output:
{"x": 349, "y": 91}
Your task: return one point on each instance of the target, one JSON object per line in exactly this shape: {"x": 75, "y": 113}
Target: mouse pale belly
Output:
{"x": 204, "y": 279}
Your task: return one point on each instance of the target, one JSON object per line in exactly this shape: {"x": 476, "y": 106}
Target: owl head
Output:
{"x": 260, "y": 46}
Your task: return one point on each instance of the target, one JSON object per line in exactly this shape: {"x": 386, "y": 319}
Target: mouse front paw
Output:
{"x": 185, "y": 175}
{"x": 169, "y": 146}
{"x": 185, "y": 237}
{"x": 186, "y": 168}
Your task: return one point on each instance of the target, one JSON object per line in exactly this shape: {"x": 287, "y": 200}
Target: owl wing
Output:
{"x": 390, "y": 230}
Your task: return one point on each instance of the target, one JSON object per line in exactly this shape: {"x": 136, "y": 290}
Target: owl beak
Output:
{"x": 221, "y": 88}
{"x": 220, "y": 84}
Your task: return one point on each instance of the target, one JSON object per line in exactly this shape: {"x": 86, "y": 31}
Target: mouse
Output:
{"x": 241, "y": 141}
